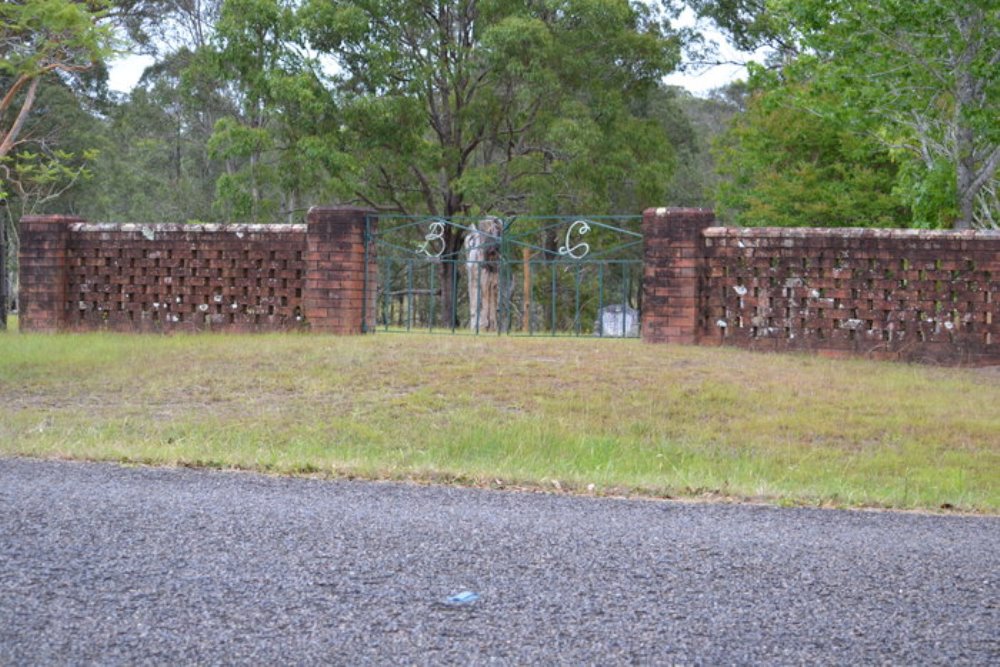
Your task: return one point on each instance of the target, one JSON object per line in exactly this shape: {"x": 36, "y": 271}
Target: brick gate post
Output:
{"x": 674, "y": 252}
{"x": 334, "y": 298}
{"x": 42, "y": 266}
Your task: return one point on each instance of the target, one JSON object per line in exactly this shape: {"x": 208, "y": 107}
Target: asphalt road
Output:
{"x": 112, "y": 565}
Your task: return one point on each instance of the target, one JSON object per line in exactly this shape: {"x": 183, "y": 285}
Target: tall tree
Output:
{"x": 454, "y": 107}
{"x": 922, "y": 78}
{"x": 463, "y": 104}
{"x": 931, "y": 72}
{"x": 39, "y": 38}
{"x": 154, "y": 162}
{"x": 692, "y": 124}
{"x": 46, "y": 48}
{"x": 784, "y": 166}
{"x": 284, "y": 117}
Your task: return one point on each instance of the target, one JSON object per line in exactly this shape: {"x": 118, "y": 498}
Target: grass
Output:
{"x": 604, "y": 417}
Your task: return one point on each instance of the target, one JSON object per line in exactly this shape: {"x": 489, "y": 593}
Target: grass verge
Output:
{"x": 596, "y": 416}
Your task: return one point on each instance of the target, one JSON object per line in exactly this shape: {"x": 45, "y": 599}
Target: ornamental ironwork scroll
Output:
{"x": 435, "y": 233}
{"x": 579, "y": 250}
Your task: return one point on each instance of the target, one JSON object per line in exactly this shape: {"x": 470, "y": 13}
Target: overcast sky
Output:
{"x": 126, "y": 71}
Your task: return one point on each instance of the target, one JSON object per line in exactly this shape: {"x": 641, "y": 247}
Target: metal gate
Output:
{"x": 576, "y": 276}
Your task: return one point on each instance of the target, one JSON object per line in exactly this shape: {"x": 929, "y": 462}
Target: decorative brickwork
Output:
{"x": 170, "y": 277}
{"x": 42, "y": 271}
{"x": 185, "y": 277}
{"x": 895, "y": 294}
{"x": 334, "y": 298}
{"x": 673, "y": 257}
{"x": 911, "y": 295}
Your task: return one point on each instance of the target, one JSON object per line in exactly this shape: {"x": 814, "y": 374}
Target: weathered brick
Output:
{"x": 850, "y": 291}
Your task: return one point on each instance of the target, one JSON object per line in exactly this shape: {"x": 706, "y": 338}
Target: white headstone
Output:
{"x": 617, "y": 321}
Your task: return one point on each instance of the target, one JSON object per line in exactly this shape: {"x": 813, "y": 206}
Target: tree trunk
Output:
{"x": 965, "y": 152}
{"x": 966, "y": 196}
{"x": 483, "y": 275}
{"x": 448, "y": 274}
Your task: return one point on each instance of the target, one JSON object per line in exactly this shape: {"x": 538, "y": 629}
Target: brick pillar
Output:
{"x": 333, "y": 300}
{"x": 42, "y": 271}
{"x": 674, "y": 252}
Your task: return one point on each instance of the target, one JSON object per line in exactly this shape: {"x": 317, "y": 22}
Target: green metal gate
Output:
{"x": 524, "y": 275}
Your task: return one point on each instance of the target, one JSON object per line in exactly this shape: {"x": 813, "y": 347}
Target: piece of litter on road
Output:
{"x": 463, "y": 598}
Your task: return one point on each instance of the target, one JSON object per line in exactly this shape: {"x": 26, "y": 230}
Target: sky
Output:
{"x": 125, "y": 72}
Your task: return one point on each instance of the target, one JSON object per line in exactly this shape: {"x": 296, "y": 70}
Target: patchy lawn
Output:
{"x": 597, "y": 416}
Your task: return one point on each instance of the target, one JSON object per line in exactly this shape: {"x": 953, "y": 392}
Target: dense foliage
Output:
{"x": 866, "y": 113}
{"x": 903, "y": 97}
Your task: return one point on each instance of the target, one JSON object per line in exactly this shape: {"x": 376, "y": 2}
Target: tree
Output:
{"x": 692, "y": 124}
{"x": 931, "y": 73}
{"x": 463, "y": 104}
{"x": 154, "y": 162}
{"x": 922, "y": 78}
{"x": 39, "y": 38}
{"x": 784, "y": 166}
{"x": 285, "y": 123}
{"x": 469, "y": 107}
{"x": 749, "y": 24}
{"x": 46, "y": 47}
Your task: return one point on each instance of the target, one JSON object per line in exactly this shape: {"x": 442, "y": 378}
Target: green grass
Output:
{"x": 604, "y": 417}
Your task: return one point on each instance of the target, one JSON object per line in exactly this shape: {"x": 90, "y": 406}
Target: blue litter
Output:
{"x": 463, "y": 598}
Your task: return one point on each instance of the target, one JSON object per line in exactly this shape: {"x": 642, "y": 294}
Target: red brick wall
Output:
{"x": 42, "y": 260}
{"x": 673, "y": 255}
{"x": 335, "y": 286}
{"x": 911, "y": 295}
{"x": 170, "y": 277}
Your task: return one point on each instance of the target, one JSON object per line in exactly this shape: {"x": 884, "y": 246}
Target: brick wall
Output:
{"x": 893, "y": 294}
{"x": 168, "y": 277}
{"x": 911, "y": 295}
{"x": 673, "y": 255}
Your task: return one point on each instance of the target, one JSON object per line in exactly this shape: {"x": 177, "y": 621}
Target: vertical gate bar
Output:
{"x": 364, "y": 292}
{"x": 430, "y": 315}
{"x": 526, "y": 288}
{"x": 625, "y": 291}
{"x": 505, "y": 296}
{"x": 501, "y": 268}
{"x": 454, "y": 292}
{"x": 600, "y": 299}
{"x": 479, "y": 293}
{"x": 409, "y": 294}
{"x": 501, "y": 301}
{"x": 576, "y": 315}
{"x": 387, "y": 295}
{"x": 553, "y": 296}
{"x": 529, "y": 267}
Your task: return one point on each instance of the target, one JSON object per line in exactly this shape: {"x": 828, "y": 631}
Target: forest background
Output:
{"x": 877, "y": 113}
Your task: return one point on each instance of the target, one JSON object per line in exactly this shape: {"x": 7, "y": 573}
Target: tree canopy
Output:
{"x": 465, "y": 105}
{"x": 40, "y": 38}
{"x": 920, "y": 80}
{"x": 866, "y": 113}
